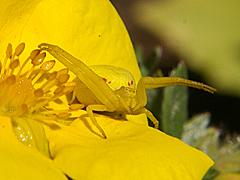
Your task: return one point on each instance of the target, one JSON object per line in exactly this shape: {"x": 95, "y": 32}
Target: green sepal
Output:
{"x": 175, "y": 105}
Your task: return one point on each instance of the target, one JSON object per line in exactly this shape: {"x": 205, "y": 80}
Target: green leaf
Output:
{"x": 149, "y": 66}
{"x": 174, "y": 107}
{"x": 225, "y": 152}
{"x": 211, "y": 174}
{"x": 197, "y": 134}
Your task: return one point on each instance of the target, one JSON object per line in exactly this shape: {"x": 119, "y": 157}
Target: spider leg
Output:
{"x": 141, "y": 95}
{"x": 157, "y": 82}
{"x": 90, "y": 79}
{"x": 99, "y": 108}
{"x": 142, "y": 101}
{"x": 152, "y": 118}
{"x": 73, "y": 96}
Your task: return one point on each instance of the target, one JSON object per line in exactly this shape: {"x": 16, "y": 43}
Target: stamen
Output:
{"x": 47, "y": 65}
{"x": 63, "y": 115}
{"x": 34, "y": 53}
{"x": 9, "y": 51}
{"x": 19, "y": 49}
{"x": 72, "y": 84}
{"x": 14, "y": 64}
{"x": 35, "y": 62}
{"x": 48, "y": 85}
{"x": 76, "y": 106}
{"x": 58, "y": 90}
{"x": 63, "y": 78}
{"x": 62, "y": 71}
{"x": 31, "y": 91}
{"x": 24, "y": 108}
{"x": 38, "y": 92}
{"x": 51, "y": 76}
{"x": 38, "y": 58}
{"x": 11, "y": 79}
{"x": 68, "y": 89}
{"x": 8, "y": 55}
{"x": 44, "y": 68}
{"x": 32, "y": 56}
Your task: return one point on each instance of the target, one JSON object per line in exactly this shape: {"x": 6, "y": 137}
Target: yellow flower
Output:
{"x": 92, "y": 31}
{"x": 131, "y": 152}
{"x": 19, "y": 161}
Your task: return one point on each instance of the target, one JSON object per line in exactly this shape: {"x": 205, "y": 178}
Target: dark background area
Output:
{"x": 223, "y": 108}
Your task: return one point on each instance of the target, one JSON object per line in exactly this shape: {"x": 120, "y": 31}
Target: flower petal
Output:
{"x": 21, "y": 162}
{"x": 131, "y": 151}
{"x": 90, "y": 29}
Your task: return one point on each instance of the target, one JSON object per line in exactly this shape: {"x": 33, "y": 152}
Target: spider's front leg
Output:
{"x": 141, "y": 98}
{"x": 157, "y": 82}
{"x": 98, "y": 108}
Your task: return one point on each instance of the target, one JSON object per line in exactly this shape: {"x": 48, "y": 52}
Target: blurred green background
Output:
{"x": 203, "y": 34}
{"x": 198, "y": 40}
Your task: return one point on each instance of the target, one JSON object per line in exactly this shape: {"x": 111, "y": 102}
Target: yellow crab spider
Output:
{"x": 97, "y": 94}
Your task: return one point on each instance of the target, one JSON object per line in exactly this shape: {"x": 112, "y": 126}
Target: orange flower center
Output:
{"x": 29, "y": 85}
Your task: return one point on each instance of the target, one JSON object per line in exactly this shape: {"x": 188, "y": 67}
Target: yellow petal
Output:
{"x": 21, "y": 162}
{"x": 130, "y": 152}
{"x": 90, "y": 29}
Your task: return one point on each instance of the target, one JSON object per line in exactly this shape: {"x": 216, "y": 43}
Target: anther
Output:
{"x": 48, "y": 65}
{"x": 51, "y": 76}
{"x": 73, "y": 84}
{"x": 11, "y": 79}
{"x": 58, "y": 90}
{"x": 24, "y": 108}
{"x": 34, "y": 54}
{"x": 76, "y": 106}
{"x": 58, "y": 101}
{"x": 62, "y": 71}
{"x": 38, "y": 92}
{"x": 68, "y": 89}
{"x": 15, "y": 63}
{"x": 9, "y": 51}
{"x": 39, "y": 59}
{"x": 63, "y": 78}
{"x": 63, "y": 115}
{"x": 19, "y": 49}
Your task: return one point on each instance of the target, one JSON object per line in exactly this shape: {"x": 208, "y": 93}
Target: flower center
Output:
{"x": 29, "y": 92}
{"x": 28, "y": 86}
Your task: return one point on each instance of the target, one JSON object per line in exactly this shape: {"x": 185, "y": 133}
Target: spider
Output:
{"x": 98, "y": 93}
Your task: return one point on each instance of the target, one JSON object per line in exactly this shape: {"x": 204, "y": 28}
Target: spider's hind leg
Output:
{"x": 152, "y": 118}
{"x": 90, "y": 110}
